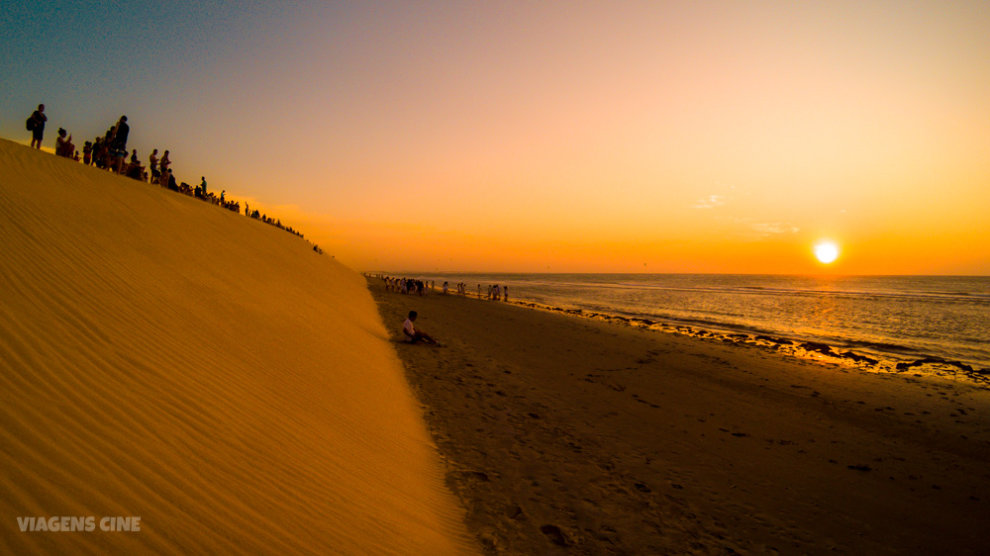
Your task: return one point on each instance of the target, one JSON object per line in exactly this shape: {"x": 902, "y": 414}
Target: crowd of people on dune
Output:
{"x": 412, "y": 286}
{"x": 109, "y": 152}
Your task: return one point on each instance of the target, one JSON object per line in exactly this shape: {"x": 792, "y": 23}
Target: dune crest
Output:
{"x": 163, "y": 358}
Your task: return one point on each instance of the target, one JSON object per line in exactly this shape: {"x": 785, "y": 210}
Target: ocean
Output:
{"x": 896, "y": 318}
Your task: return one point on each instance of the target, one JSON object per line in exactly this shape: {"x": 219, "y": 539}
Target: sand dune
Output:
{"x": 164, "y": 358}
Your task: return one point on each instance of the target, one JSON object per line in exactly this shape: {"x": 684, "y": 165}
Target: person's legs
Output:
{"x": 424, "y": 337}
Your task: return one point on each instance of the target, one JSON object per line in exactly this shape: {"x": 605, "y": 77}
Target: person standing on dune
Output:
{"x": 36, "y": 123}
{"x": 153, "y": 165}
{"x": 118, "y": 144}
{"x": 164, "y": 163}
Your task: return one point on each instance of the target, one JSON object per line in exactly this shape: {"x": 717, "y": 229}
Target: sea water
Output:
{"x": 902, "y": 317}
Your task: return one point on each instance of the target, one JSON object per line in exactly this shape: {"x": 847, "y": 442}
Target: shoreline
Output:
{"x": 565, "y": 435}
{"x": 871, "y": 361}
{"x": 862, "y": 358}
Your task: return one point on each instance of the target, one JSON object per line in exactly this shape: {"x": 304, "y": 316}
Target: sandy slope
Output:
{"x": 163, "y": 358}
{"x": 565, "y": 435}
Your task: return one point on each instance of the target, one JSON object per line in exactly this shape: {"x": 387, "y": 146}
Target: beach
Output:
{"x": 568, "y": 435}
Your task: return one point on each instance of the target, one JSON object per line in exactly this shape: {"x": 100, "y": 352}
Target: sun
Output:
{"x": 826, "y": 251}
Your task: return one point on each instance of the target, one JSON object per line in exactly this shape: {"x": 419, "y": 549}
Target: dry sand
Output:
{"x": 565, "y": 435}
{"x": 164, "y": 358}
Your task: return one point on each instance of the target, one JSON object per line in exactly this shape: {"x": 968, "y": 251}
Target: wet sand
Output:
{"x": 565, "y": 435}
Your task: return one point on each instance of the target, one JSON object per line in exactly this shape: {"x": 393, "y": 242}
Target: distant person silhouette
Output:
{"x": 62, "y": 144}
{"x": 37, "y": 125}
{"x": 164, "y": 163}
{"x": 153, "y": 165}
{"x": 118, "y": 143}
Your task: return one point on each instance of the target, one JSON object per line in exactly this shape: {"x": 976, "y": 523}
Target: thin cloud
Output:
{"x": 774, "y": 228}
{"x": 709, "y": 202}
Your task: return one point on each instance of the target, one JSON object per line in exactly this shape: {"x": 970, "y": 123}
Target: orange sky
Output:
{"x": 601, "y": 137}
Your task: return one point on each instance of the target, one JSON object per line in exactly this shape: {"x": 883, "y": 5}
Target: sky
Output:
{"x": 724, "y": 137}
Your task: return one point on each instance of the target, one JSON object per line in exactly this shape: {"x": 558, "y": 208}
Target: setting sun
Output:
{"x": 826, "y": 251}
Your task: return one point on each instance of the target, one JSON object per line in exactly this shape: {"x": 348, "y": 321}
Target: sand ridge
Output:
{"x": 569, "y": 435}
{"x": 167, "y": 359}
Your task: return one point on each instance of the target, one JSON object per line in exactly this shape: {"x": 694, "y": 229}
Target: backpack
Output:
{"x": 30, "y": 123}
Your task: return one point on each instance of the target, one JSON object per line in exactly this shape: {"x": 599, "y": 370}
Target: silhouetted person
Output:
{"x": 100, "y": 153}
{"x": 153, "y": 164}
{"x": 37, "y": 125}
{"x": 118, "y": 144}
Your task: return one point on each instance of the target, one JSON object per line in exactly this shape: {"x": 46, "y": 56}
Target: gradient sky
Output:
{"x": 548, "y": 136}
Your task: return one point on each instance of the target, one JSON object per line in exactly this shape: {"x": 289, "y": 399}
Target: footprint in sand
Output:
{"x": 555, "y": 534}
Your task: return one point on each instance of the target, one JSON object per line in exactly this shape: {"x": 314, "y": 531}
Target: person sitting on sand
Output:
{"x": 415, "y": 335}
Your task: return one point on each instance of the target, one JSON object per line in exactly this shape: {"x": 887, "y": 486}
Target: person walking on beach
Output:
{"x": 505, "y": 293}
{"x": 415, "y": 335}
{"x": 36, "y": 123}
